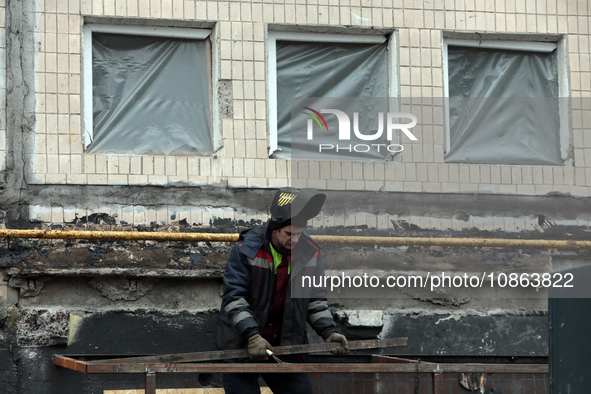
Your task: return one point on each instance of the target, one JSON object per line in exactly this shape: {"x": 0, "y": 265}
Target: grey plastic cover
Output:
{"x": 324, "y": 70}
{"x": 503, "y": 107}
{"x": 151, "y": 95}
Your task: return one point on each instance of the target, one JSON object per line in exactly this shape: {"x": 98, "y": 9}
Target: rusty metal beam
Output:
{"x": 331, "y": 368}
{"x": 332, "y": 239}
{"x": 309, "y": 368}
{"x": 103, "y": 368}
{"x": 70, "y": 363}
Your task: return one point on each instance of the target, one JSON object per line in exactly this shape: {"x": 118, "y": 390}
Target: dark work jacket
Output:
{"x": 249, "y": 282}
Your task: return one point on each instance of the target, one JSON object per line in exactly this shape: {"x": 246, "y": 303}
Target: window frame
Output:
{"x": 527, "y": 46}
{"x": 150, "y": 31}
{"x": 274, "y": 36}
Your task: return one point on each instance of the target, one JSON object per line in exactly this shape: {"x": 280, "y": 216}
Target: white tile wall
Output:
{"x": 242, "y": 161}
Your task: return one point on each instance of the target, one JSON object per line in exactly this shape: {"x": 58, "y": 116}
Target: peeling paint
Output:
{"x": 450, "y": 317}
{"x": 28, "y": 287}
{"x": 362, "y": 318}
{"x": 128, "y": 289}
{"x": 95, "y": 218}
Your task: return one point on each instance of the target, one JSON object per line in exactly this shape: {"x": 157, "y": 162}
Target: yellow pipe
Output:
{"x": 463, "y": 242}
{"x": 119, "y": 235}
{"x": 332, "y": 239}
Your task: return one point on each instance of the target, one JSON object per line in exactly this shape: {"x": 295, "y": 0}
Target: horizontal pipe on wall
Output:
{"x": 332, "y": 239}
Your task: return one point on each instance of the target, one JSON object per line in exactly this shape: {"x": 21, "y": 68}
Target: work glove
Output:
{"x": 336, "y": 337}
{"x": 257, "y": 348}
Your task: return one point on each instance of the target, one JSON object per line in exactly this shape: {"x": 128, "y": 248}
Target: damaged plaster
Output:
{"x": 225, "y": 95}
{"x": 20, "y": 106}
{"x": 362, "y": 318}
{"x": 74, "y": 324}
{"x": 28, "y": 287}
{"x": 141, "y": 255}
{"x": 42, "y": 327}
{"x": 128, "y": 289}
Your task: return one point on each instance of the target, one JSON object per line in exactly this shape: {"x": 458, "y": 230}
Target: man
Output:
{"x": 259, "y": 310}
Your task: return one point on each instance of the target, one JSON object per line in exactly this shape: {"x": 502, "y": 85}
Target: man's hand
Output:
{"x": 336, "y": 337}
{"x": 257, "y": 348}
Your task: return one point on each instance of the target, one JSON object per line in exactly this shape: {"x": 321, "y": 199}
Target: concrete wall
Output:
{"x": 83, "y": 297}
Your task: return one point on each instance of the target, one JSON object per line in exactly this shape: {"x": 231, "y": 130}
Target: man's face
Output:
{"x": 286, "y": 238}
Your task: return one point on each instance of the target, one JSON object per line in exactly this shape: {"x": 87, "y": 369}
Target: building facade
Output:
{"x": 174, "y": 116}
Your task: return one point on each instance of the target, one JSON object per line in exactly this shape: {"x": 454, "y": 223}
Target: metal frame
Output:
{"x": 378, "y": 364}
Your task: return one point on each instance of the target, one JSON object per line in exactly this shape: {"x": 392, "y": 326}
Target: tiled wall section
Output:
{"x": 208, "y": 216}
{"x": 241, "y": 46}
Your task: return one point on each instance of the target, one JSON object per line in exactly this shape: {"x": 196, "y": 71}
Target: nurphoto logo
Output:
{"x": 329, "y": 128}
{"x": 344, "y": 130}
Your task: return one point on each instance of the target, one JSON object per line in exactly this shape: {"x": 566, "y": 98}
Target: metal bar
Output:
{"x": 70, "y": 363}
{"x": 150, "y": 383}
{"x": 437, "y": 380}
{"x": 333, "y": 239}
{"x": 319, "y": 368}
{"x": 241, "y": 353}
{"x": 119, "y": 235}
{"x": 102, "y": 368}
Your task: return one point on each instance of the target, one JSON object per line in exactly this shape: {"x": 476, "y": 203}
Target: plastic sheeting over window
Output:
{"x": 151, "y": 95}
{"x": 503, "y": 107}
{"x": 306, "y": 69}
